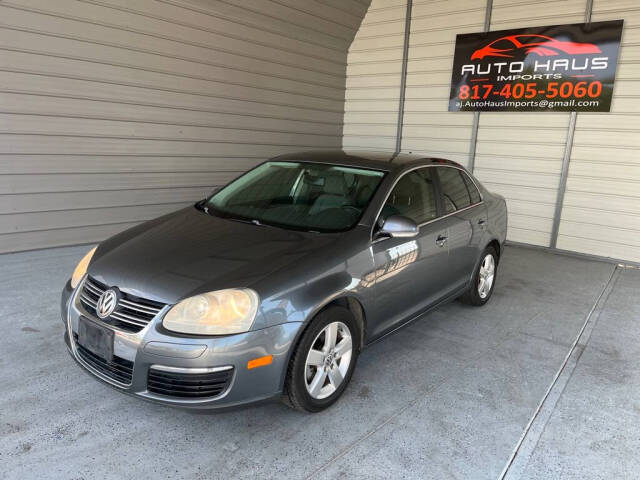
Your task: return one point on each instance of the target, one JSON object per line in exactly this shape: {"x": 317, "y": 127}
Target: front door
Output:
{"x": 409, "y": 270}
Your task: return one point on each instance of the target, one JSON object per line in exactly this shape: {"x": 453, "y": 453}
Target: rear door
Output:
{"x": 465, "y": 219}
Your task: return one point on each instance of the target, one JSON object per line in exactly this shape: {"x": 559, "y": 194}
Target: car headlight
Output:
{"x": 215, "y": 313}
{"x": 81, "y": 268}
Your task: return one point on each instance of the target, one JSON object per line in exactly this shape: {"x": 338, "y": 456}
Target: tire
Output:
{"x": 322, "y": 377}
{"x": 477, "y": 295}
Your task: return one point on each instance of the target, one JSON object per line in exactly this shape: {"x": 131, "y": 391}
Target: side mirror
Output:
{"x": 398, "y": 226}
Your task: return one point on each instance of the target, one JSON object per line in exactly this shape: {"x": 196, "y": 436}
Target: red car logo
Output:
{"x": 540, "y": 45}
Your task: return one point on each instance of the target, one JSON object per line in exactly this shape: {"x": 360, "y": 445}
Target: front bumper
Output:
{"x": 155, "y": 348}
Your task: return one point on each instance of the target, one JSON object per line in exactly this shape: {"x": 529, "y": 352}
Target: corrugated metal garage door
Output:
{"x": 116, "y": 111}
{"x": 601, "y": 212}
{"x": 517, "y": 155}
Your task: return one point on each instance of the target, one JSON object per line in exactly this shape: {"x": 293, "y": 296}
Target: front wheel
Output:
{"x": 483, "y": 280}
{"x": 323, "y": 361}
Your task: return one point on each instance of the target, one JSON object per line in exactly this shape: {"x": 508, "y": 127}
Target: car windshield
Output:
{"x": 298, "y": 195}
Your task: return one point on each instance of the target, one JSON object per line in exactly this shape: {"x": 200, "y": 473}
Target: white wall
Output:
{"x": 117, "y": 111}
{"x": 518, "y": 155}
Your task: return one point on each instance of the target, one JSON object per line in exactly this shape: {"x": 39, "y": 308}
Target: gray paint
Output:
{"x": 294, "y": 273}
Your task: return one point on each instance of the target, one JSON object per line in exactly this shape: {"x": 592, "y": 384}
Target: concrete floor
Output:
{"x": 457, "y": 394}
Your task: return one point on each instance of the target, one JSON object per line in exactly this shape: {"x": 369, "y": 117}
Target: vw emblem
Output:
{"x": 107, "y": 303}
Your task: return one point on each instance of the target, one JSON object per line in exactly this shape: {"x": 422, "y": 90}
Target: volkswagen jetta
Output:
{"x": 272, "y": 286}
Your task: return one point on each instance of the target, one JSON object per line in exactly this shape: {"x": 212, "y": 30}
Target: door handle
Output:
{"x": 441, "y": 240}
{"x": 482, "y": 223}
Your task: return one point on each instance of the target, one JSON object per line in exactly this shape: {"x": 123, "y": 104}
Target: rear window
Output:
{"x": 455, "y": 193}
{"x": 474, "y": 194}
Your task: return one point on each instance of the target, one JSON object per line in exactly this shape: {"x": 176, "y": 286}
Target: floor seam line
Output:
{"x": 563, "y": 365}
{"x": 411, "y": 403}
{"x": 370, "y": 432}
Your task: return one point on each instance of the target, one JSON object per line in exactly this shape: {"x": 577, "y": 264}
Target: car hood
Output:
{"x": 189, "y": 252}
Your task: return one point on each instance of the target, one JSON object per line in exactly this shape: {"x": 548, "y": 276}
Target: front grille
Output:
{"x": 118, "y": 369}
{"x": 132, "y": 313}
{"x": 188, "y": 385}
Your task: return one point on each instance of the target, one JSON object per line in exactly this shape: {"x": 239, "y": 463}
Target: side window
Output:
{"x": 413, "y": 197}
{"x": 473, "y": 190}
{"x": 455, "y": 194}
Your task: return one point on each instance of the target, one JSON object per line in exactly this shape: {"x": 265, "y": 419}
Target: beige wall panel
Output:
{"x": 360, "y": 129}
{"x": 134, "y": 112}
{"x": 118, "y": 55}
{"x": 429, "y": 128}
{"x": 54, "y": 86}
{"x": 526, "y": 149}
{"x": 525, "y": 193}
{"x": 121, "y": 111}
{"x": 518, "y": 155}
{"x": 39, "y": 221}
{"x": 18, "y": 184}
{"x": 383, "y": 93}
{"x": 389, "y": 13}
{"x": 159, "y": 17}
{"x": 184, "y": 45}
{"x": 373, "y": 78}
{"x": 58, "y": 237}
{"x": 419, "y": 119}
{"x": 523, "y": 235}
{"x": 37, "y": 164}
{"x": 601, "y": 213}
{"x": 60, "y": 201}
{"x": 76, "y": 145}
{"x": 364, "y": 44}
{"x": 598, "y": 247}
{"x": 591, "y": 152}
{"x": 196, "y": 82}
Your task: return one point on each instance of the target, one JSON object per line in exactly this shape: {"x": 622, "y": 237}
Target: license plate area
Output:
{"x": 95, "y": 338}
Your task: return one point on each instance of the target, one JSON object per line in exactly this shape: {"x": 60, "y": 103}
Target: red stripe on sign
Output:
{"x": 582, "y": 76}
{"x": 479, "y": 79}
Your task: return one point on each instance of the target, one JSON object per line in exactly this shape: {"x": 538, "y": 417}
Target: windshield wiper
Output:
{"x": 201, "y": 206}
{"x": 251, "y": 221}
{"x": 231, "y": 216}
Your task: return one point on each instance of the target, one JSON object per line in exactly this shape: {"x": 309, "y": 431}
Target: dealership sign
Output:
{"x": 562, "y": 67}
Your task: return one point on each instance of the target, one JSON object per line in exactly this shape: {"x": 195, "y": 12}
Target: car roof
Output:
{"x": 387, "y": 161}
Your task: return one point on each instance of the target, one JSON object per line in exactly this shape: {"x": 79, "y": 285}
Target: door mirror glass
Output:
{"x": 398, "y": 226}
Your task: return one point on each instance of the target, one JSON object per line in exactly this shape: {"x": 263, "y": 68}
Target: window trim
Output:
{"x": 438, "y": 192}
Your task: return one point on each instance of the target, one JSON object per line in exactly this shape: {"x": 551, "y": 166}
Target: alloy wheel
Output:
{"x": 328, "y": 360}
{"x": 486, "y": 276}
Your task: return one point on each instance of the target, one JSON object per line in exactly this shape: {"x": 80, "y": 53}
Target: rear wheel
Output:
{"x": 323, "y": 361}
{"x": 483, "y": 281}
